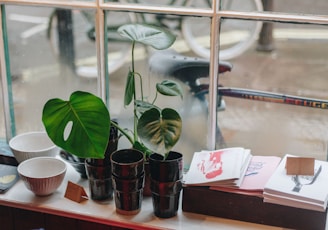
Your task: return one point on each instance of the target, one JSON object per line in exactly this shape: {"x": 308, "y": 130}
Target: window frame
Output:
{"x": 101, "y": 6}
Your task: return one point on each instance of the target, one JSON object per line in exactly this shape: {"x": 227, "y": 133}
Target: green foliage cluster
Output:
{"x": 81, "y": 125}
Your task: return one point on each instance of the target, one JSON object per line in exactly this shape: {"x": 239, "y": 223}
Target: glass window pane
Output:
{"x": 299, "y": 6}
{"x": 242, "y": 5}
{"x": 175, "y": 3}
{"x": 296, "y": 66}
{"x": 118, "y": 48}
{"x": 42, "y": 67}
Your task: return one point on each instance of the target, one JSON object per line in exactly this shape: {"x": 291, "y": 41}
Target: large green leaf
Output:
{"x": 156, "y": 37}
{"x": 80, "y": 126}
{"x": 169, "y": 88}
{"x": 159, "y": 131}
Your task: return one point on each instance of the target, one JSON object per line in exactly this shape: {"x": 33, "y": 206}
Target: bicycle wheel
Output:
{"x": 236, "y": 36}
{"x": 84, "y": 44}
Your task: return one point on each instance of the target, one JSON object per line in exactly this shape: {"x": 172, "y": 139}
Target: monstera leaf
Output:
{"x": 80, "y": 126}
{"x": 156, "y": 37}
{"x": 159, "y": 130}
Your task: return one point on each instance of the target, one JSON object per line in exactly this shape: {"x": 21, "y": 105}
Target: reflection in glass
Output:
{"x": 236, "y": 36}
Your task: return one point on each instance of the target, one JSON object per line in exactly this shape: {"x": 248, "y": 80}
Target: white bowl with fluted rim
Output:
{"x": 42, "y": 175}
{"x": 32, "y": 144}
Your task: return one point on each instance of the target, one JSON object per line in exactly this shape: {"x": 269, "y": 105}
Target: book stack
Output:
{"x": 224, "y": 167}
{"x": 235, "y": 170}
{"x": 263, "y": 193}
{"x": 306, "y": 192}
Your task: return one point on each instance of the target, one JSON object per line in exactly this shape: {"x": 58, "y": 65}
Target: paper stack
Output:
{"x": 307, "y": 192}
{"x": 224, "y": 167}
{"x": 258, "y": 172}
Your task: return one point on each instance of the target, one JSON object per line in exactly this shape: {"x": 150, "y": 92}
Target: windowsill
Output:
{"x": 104, "y": 212}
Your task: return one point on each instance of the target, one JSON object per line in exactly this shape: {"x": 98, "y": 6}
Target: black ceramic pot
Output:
{"x": 166, "y": 183}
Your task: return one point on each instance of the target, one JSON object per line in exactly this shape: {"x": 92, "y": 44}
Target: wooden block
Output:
{"x": 252, "y": 209}
{"x": 300, "y": 166}
{"x": 75, "y": 192}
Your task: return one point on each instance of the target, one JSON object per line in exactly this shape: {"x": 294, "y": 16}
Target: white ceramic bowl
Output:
{"x": 32, "y": 144}
{"x": 42, "y": 175}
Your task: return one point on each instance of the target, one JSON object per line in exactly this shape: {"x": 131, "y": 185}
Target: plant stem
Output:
{"x": 135, "y": 120}
{"x": 123, "y": 132}
{"x": 141, "y": 88}
{"x": 155, "y": 97}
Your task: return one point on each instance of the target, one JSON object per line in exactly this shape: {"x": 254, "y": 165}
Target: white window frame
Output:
{"x": 101, "y": 6}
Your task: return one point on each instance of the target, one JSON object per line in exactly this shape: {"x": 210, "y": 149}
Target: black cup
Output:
{"x": 100, "y": 181}
{"x": 128, "y": 203}
{"x": 127, "y": 163}
{"x": 166, "y": 184}
{"x": 128, "y": 180}
{"x": 128, "y": 185}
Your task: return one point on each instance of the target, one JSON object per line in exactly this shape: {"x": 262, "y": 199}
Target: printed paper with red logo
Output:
{"x": 223, "y": 166}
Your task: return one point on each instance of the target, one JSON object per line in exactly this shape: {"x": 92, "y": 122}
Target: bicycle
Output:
{"x": 62, "y": 38}
{"x": 236, "y": 35}
{"x": 191, "y": 70}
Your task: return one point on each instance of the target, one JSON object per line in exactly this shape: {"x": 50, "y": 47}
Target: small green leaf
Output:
{"x": 156, "y": 37}
{"x": 169, "y": 88}
{"x": 129, "y": 89}
{"x": 72, "y": 126}
{"x": 159, "y": 131}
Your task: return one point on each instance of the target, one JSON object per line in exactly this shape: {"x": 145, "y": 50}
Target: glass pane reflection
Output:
{"x": 296, "y": 66}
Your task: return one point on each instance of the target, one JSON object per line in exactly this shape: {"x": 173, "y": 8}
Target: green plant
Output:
{"x": 155, "y": 129}
{"x": 81, "y": 125}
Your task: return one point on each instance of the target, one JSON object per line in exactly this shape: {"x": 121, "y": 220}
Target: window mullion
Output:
{"x": 101, "y": 53}
{"x": 214, "y": 59}
{"x": 5, "y": 78}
